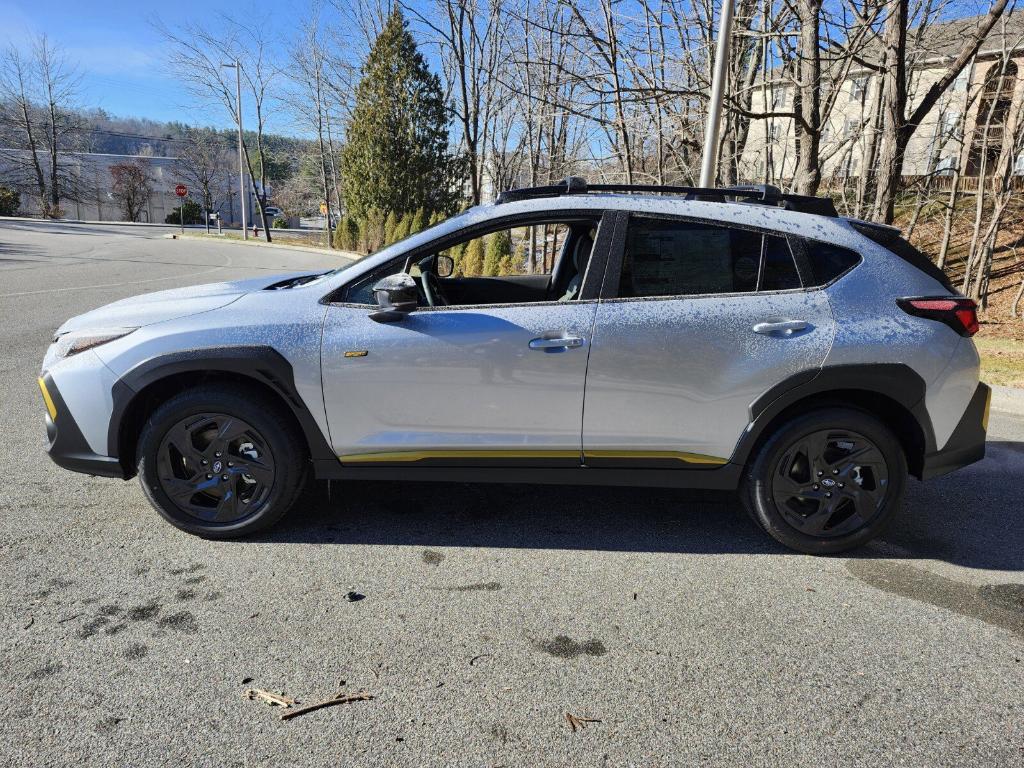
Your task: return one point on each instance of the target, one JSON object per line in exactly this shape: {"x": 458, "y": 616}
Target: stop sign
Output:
{"x": 181, "y": 190}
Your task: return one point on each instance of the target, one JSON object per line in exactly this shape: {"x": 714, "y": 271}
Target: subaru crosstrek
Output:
{"x": 732, "y": 338}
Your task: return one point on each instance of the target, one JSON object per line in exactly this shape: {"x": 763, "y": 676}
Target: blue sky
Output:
{"x": 121, "y": 56}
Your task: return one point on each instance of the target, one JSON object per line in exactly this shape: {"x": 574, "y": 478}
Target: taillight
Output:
{"x": 958, "y": 313}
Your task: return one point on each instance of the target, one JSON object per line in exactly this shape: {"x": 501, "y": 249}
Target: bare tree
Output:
{"x": 41, "y": 92}
{"x": 131, "y": 187}
{"x": 901, "y": 115}
{"x": 470, "y": 35}
{"x": 310, "y": 103}
{"x": 205, "y": 164}
{"x": 198, "y": 55}
{"x": 20, "y": 122}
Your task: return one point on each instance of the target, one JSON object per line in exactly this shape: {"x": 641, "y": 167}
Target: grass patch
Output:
{"x": 1002, "y": 361}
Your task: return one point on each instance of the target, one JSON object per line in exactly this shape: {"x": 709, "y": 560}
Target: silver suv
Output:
{"x": 736, "y": 339}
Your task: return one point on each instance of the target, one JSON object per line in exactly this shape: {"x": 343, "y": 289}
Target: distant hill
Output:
{"x": 141, "y": 136}
{"x": 109, "y": 134}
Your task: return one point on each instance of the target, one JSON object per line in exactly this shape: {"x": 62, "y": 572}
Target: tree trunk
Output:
{"x": 807, "y": 99}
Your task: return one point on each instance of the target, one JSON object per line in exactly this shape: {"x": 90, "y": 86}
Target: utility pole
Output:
{"x": 242, "y": 196}
{"x": 720, "y": 75}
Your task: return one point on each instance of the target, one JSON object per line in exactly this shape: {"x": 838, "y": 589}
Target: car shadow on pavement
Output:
{"x": 972, "y": 518}
{"x": 524, "y": 516}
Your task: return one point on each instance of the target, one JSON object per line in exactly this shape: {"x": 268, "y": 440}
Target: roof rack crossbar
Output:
{"x": 764, "y": 194}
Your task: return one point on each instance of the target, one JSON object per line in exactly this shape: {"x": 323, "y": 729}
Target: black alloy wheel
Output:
{"x": 830, "y": 483}
{"x": 216, "y": 468}
{"x": 827, "y": 480}
{"x": 222, "y": 460}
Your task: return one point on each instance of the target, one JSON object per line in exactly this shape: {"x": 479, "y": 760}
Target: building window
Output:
{"x": 951, "y": 125}
{"x": 773, "y": 131}
{"x": 859, "y": 87}
{"x": 962, "y": 81}
{"x": 778, "y": 97}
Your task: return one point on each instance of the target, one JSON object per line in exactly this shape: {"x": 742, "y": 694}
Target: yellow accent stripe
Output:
{"x": 413, "y": 456}
{"x": 47, "y": 399}
{"x": 689, "y": 458}
{"x": 410, "y": 456}
{"x": 357, "y": 353}
{"x": 988, "y": 403}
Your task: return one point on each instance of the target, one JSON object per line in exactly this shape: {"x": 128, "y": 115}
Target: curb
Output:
{"x": 1008, "y": 399}
{"x": 263, "y": 244}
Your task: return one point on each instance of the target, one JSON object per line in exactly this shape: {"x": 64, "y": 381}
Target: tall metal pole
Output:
{"x": 718, "y": 83}
{"x": 242, "y": 197}
{"x": 241, "y": 161}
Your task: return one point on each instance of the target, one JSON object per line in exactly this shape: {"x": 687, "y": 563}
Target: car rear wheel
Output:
{"x": 221, "y": 461}
{"x": 826, "y": 481}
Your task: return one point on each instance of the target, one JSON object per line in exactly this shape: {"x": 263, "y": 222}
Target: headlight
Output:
{"x": 78, "y": 341}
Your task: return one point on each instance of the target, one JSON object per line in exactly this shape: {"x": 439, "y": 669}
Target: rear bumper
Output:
{"x": 967, "y": 443}
{"x": 65, "y": 443}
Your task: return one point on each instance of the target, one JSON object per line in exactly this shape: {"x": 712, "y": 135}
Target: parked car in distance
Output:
{"x": 735, "y": 338}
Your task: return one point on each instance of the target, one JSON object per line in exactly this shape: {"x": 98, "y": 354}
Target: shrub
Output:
{"x": 419, "y": 221}
{"x": 402, "y": 228}
{"x": 499, "y": 245}
{"x": 280, "y": 223}
{"x": 351, "y": 224}
{"x": 473, "y": 260}
{"x": 193, "y": 213}
{"x": 10, "y": 201}
{"x": 372, "y": 229}
{"x": 390, "y": 225}
{"x": 507, "y": 266}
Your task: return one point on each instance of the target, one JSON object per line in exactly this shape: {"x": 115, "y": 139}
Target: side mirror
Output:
{"x": 397, "y": 297}
{"x": 444, "y": 266}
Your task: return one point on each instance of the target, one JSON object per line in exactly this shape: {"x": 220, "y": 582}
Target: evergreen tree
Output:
{"x": 390, "y": 226}
{"x": 402, "y": 228}
{"x": 352, "y": 234}
{"x": 473, "y": 260}
{"x": 507, "y": 266}
{"x": 372, "y": 227}
{"x": 419, "y": 221}
{"x": 499, "y": 245}
{"x": 396, "y": 155}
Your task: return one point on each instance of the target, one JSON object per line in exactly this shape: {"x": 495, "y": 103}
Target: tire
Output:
{"x": 827, "y": 481}
{"x": 221, "y": 461}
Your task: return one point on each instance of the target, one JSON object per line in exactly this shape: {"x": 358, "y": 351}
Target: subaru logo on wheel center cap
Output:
{"x": 217, "y": 466}
{"x": 828, "y": 482}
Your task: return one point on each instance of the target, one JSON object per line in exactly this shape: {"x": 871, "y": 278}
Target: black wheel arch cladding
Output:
{"x": 899, "y": 385}
{"x": 262, "y": 365}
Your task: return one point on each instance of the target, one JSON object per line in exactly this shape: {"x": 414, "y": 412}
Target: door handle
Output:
{"x": 782, "y": 327}
{"x": 553, "y": 345}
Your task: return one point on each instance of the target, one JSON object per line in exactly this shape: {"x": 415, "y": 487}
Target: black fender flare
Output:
{"x": 263, "y": 364}
{"x": 895, "y": 381}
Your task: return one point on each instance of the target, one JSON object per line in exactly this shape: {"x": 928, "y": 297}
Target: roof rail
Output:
{"x": 763, "y": 194}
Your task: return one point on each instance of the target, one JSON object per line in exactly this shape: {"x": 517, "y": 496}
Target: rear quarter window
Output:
{"x": 828, "y": 261}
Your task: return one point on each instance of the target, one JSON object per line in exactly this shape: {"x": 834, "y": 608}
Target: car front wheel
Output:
{"x": 827, "y": 481}
{"x": 221, "y": 461}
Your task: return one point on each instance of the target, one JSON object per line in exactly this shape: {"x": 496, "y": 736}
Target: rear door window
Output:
{"x": 665, "y": 257}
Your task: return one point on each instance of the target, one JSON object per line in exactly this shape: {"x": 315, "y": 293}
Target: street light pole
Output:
{"x": 242, "y": 197}
{"x": 718, "y": 83}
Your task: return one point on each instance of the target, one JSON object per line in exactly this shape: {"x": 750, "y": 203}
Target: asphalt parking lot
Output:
{"x": 489, "y": 612}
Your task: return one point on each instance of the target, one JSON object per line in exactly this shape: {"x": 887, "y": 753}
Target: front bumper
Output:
{"x": 65, "y": 443}
{"x": 967, "y": 443}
